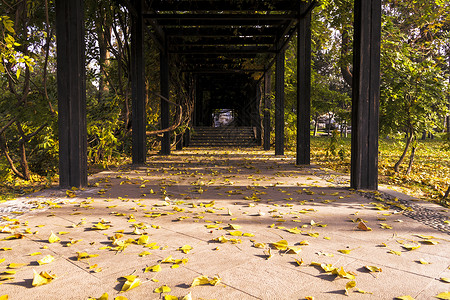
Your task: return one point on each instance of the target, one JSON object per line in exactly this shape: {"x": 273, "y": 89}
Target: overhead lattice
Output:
{"x": 223, "y": 35}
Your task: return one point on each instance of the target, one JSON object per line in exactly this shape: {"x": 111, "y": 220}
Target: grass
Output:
{"x": 428, "y": 180}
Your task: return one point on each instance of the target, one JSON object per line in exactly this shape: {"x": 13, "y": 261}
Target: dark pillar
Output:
{"x": 71, "y": 94}
{"x": 139, "y": 120}
{"x": 303, "y": 87}
{"x": 165, "y": 112}
{"x": 257, "y": 114}
{"x": 366, "y": 94}
{"x": 267, "y": 105}
{"x": 279, "y": 103}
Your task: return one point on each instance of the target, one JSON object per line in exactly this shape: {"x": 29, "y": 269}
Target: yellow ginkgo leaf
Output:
{"x": 202, "y": 280}
{"x": 5, "y": 249}
{"x": 395, "y": 252}
{"x": 407, "y": 297}
{"x": 168, "y": 259}
{"x": 411, "y": 246}
{"x": 100, "y": 226}
{"x": 42, "y": 278}
{"x": 155, "y": 268}
{"x": 373, "y": 268}
{"x": 2, "y": 260}
{"x": 102, "y": 297}
{"x": 4, "y": 297}
{"x": 362, "y": 291}
{"x": 187, "y": 297}
{"x": 299, "y": 262}
{"x": 85, "y": 255}
{"x": 170, "y": 297}
{"x": 235, "y": 233}
{"x": 234, "y": 227}
{"x": 35, "y": 253}
{"x": 429, "y": 242}
{"x": 443, "y": 296}
{"x": 130, "y": 284}
{"x": 144, "y": 253}
{"x": 423, "y": 262}
{"x": 349, "y": 286}
{"x": 345, "y": 251}
{"x": 280, "y": 245}
{"x": 46, "y": 260}
{"x": 120, "y": 298}
{"x": 185, "y": 249}
{"x": 363, "y": 226}
{"x": 445, "y": 279}
{"x": 15, "y": 266}
{"x": 53, "y": 238}
{"x": 143, "y": 240}
{"x": 162, "y": 289}
{"x": 259, "y": 245}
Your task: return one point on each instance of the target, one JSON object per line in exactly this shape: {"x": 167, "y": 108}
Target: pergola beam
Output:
{"x": 207, "y": 5}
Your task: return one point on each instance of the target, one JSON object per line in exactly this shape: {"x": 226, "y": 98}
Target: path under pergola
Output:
{"x": 212, "y": 37}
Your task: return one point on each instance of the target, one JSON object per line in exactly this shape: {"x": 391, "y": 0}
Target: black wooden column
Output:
{"x": 165, "y": 112}
{"x": 267, "y": 105}
{"x": 303, "y": 86}
{"x": 139, "y": 119}
{"x": 71, "y": 93}
{"x": 279, "y": 102}
{"x": 366, "y": 94}
{"x": 257, "y": 114}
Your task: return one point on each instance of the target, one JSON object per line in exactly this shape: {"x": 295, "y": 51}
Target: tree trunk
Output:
{"x": 447, "y": 192}
{"x": 411, "y": 160}
{"x": 345, "y": 49}
{"x": 410, "y": 137}
{"x": 316, "y": 124}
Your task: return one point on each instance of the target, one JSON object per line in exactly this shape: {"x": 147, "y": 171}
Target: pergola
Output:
{"x": 212, "y": 37}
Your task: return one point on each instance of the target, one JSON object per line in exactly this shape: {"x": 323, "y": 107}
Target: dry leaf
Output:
{"x": 85, "y": 255}
{"x": 349, "y": 286}
{"x": 53, "y": 238}
{"x": 280, "y": 245}
{"x": 363, "y": 226}
{"x": 443, "y": 296}
{"x": 162, "y": 289}
{"x": 445, "y": 279}
{"x": 411, "y": 246}
{"x": 185, "y": 249}
{"x": 373, "y": 269}
{"x": 102, "y": 297}
{"x": 201, "y": 280}
{"x": 46, "y": 260}
{"x": 15, "y": 266}
{"x": 155, "y": 268}
{"x": 42, "y": 278}
{"x": 130, "y": 283}
{"x": 407, "y": 297}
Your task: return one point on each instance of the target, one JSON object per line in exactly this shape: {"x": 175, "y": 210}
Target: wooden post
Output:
{"x": 71, "y": 94}
{"x": 139, "y": 119}
{"x": 267, "y": 105}
{"x": 165, "y": 112}
{"x": 257, "y": 114}
{"x": 366, "y": 94}
{"x": 279, "y": 102}
{"x": 303, "y": 87}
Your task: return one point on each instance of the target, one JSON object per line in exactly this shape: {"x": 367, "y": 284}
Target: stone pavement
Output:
{"x": 256, "y": 225}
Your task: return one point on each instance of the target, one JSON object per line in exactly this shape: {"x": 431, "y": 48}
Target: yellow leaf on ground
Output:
{"x": 235, "y": 233}
{"x": 5, "y": 249}
{"x": 363, "y": 292}
{"x": 120, "y": 298}
{"x": 363, "y": 226}
{"x": 155, "y": 268}
{"x": 395, "y": 252}
{"x": 445, "y": 279}
{"x": 144, "y": 253}
{"x": 4, "y": 297}
{"x": 349, "y": 286}
{"x": 42, "y": 278}
{"x": 443, "y": 296}
{"x": 407, "y": 297}
{"x": 143, "y": 240}
{"x": 345, "y": 251}
{"x": 234, "y": 227}
{"x": 170, "y": 297}
{"x": 280, "y": 245}
{"x": 53, "y": 238}
{"x": 187, "y": 297}
{"x": 100, "y": 226}
{"x": 85, "y": 255}
{"x": 411, "y": 246}
{"x": 185, "y": 249}
{"x": 162, "y": 289}
{"x": 131, "y": 283}
{"x": 46, "y": 260}
{"x": 102, "y": 297}
{"x": 373, "y": 269}
{"x": 35, "y": 253}
{"x": 423, "y": 261}
{"x": 2, "y": 260}
{"x": 202, "y": 280}
{"x": 15, "y": 266}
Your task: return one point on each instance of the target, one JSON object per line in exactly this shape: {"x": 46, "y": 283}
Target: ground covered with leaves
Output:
{"x": 428, "y": 180}
{"x": 217, "y": 225}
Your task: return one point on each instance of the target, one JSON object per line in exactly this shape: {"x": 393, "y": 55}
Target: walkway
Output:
{"x": 255, "y": 225}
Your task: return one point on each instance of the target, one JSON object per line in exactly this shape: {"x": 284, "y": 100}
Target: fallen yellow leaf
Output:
{"x": 407, "y": 297}
{"x": 42, "y": 278}
{"x": 443, "y": 296}
{"x": 131, "y": 283}
{"x": 53, "y": 238}
{"x": 162, "y": 289}
{"x": 155, "y": 268}
{"x": 202, "y": 280}
{"x": 46, "y": 260}
{"x": 185, "y": 249}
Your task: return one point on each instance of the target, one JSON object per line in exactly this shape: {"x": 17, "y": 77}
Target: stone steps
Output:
{"x": 223, "y": 137}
